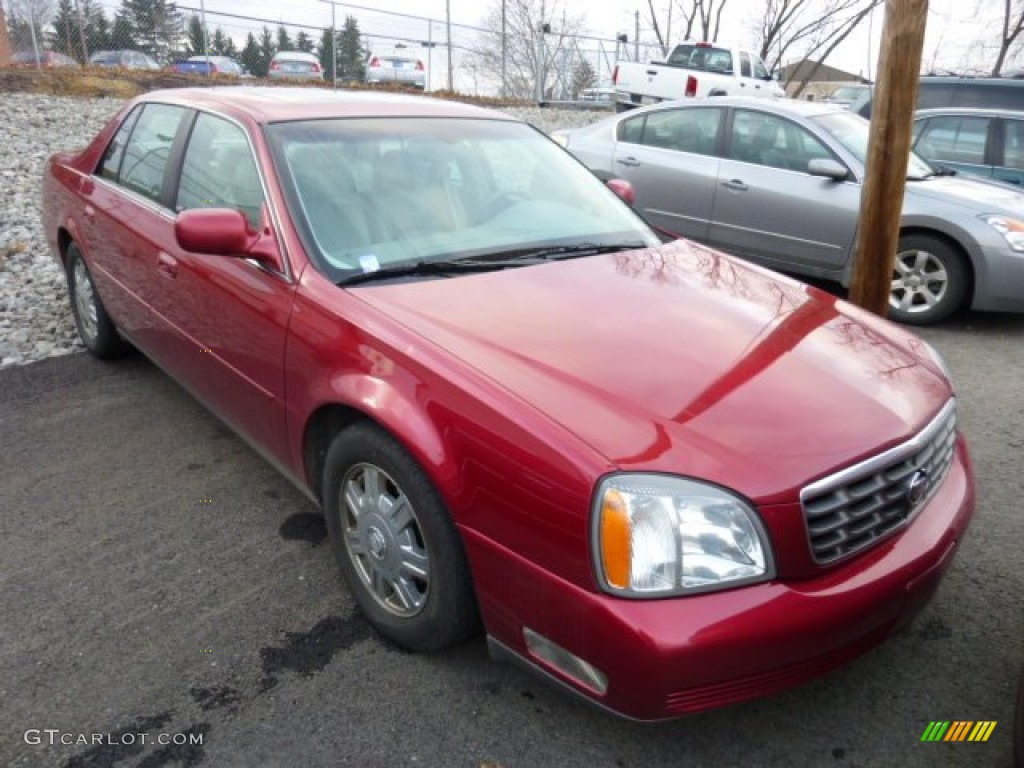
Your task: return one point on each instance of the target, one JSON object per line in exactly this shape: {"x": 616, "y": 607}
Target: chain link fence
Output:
{"x": 539, "y": 63}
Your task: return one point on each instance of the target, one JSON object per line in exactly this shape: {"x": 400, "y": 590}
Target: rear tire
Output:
{"x": 930, "y": 281}
{"x": 95, "y": 328}
{"x": 397, "y": 547}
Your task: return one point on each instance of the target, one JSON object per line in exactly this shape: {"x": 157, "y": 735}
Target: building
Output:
{"x": 818, "y": 80}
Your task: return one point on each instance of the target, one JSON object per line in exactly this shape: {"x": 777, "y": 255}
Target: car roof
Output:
{"x": 295, "y": 55}
{"x": 267, "y": 104}
{"x": 791, "y": 107}
{"x": 969, "y": 112}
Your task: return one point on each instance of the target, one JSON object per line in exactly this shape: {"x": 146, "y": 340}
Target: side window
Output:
{"x": 683, "y": 130}
{"x": 954, "y": 139}
{"x": 768, "y": 140}
{"x": 1014, "y": 149}
{"x": 149, "y": 148}
{"x": 760, "y": 71}
{"x": 632, "y": 130}
{"x": 110, "y": 164}
{"x": 219, "y": 170}
{"x": 744, "y": 64}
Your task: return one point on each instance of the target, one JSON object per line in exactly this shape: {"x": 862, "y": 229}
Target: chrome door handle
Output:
{"x": 630, "y": 161}
{"x": 735, "y": 184}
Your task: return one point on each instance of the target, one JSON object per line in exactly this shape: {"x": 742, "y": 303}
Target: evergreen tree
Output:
{"x": 267, "y": 50}
{"x": 352, "y": 53}
{"x": 284, "y": 40}
{"x": 303, "y": 42}
{"x": 324, "y": 48}
{"x": 156, "y": 24}
{"x": 64, "y": 36}
{"x": 250, "y": 57}
{"x": 123, "y": 34}
{"x": 197, "y": 36}
{"x": 97, "y": 29}
{"x": 221, "y": 44}
{"x": 583, "y": 76}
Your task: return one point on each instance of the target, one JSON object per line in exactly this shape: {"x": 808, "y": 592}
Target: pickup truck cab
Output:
{"x": 693, "y": 70}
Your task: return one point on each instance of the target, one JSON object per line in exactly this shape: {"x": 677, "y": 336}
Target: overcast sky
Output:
{"x": 953, "y": 25}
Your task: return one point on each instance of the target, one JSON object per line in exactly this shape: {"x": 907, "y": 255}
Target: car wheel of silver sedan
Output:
{"x": 930, "y": 280}
{"x": 395, "y": 543}
{"x": 95, "y": 328}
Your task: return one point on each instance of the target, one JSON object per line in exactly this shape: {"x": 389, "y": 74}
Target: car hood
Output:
{"x": 680, "y": 359}
{"x": 976, "y": 194}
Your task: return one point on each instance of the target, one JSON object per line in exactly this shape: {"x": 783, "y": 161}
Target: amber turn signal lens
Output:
{"x": 616, "y": 552}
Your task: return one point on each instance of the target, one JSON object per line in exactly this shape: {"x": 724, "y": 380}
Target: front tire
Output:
{"x": 95, "y": 328}
{"x": 930, "y": 281}
{"x": 397, "y": 547}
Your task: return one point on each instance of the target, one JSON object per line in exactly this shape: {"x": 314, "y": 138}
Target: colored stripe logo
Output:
{"x": 958, "y": 730}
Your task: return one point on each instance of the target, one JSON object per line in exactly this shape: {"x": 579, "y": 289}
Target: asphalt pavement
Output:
{"x": 161, "y": 586}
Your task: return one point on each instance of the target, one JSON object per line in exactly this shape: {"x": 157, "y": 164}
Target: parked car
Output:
{"x": 208, "y": 65}
{"x": 41, "y": 60}
{"x": 845, "y": 95}
{"x": 779, "y": 182}
{"x": 125, "y": 58}
{"x": 942, "y": 92}
{"x": 668, "y": 479}
{"x": 978, "y": 142}
{"x": 397, "y": 67}
{"x": 295, "y": 65}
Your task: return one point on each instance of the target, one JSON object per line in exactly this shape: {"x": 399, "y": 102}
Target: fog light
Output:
{"x": 572, "y": 666}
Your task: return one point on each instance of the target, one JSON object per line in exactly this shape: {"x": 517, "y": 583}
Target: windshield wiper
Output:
{"x": 556, "y": 252}
{"x": 428, "y": 268}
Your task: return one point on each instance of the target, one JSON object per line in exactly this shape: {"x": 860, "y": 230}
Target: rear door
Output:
{"x": 669, "y": 157}
{"x": 770, "y": 209}
{"x": 127, "y": 221}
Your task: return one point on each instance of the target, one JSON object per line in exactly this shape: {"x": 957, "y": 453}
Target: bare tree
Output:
{"x": 28, "y": 19}
{"x": 1012, "y": 27}
{"x": 808, "y": 29}
{"x": 539, "y": 44}
{"x": 700, "y": 19}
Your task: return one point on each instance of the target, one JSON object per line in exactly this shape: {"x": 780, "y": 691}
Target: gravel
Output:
{"x": 35, "y": 317}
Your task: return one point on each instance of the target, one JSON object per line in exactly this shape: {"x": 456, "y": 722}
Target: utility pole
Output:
{"x": 448, "y": 25}
{"x": 504, "y": 52}
{"x": 636, "y": 36}
{"x": 899, "y": 69}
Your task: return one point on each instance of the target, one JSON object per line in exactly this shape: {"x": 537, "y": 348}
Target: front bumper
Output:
{"x": 666, "y": 658}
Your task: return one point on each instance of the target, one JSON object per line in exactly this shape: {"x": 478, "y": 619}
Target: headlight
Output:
{"x": 657, "y": 535}
{"x": 1012, "y": 230}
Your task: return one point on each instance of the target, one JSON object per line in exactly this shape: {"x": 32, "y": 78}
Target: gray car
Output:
{"x": 779, "y": 182}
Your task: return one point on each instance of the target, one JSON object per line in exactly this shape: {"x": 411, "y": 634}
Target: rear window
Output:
{"x": 704, "y": 58}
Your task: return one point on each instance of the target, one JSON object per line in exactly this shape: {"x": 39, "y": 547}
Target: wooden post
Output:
{"x": 892, "y": 111}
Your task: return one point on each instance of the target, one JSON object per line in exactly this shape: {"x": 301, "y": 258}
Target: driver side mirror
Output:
{"x": 224, "y": 232}
{"x": 623, "y": 189}
{"x": 830, "y": 169}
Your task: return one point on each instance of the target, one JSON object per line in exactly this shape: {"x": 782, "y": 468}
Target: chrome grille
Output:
{"x": 848, "y": 511}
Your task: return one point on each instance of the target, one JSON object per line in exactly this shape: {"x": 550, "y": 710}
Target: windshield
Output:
{"x": 851, "y": 131}
{"x": 376, "y": 193}
{"x": 848, "y": 92}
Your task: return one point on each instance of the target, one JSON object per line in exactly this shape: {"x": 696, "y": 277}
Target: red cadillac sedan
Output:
{"x": 664, "y": 478}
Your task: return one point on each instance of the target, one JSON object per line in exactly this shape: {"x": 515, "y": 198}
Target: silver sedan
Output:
{"x": 779, "y": 182}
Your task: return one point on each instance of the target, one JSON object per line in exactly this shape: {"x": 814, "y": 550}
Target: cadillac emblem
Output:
{"x": 917, "y": 487}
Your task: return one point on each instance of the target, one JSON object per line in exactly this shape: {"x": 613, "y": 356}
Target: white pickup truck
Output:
{"x": 693, "y": 70}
